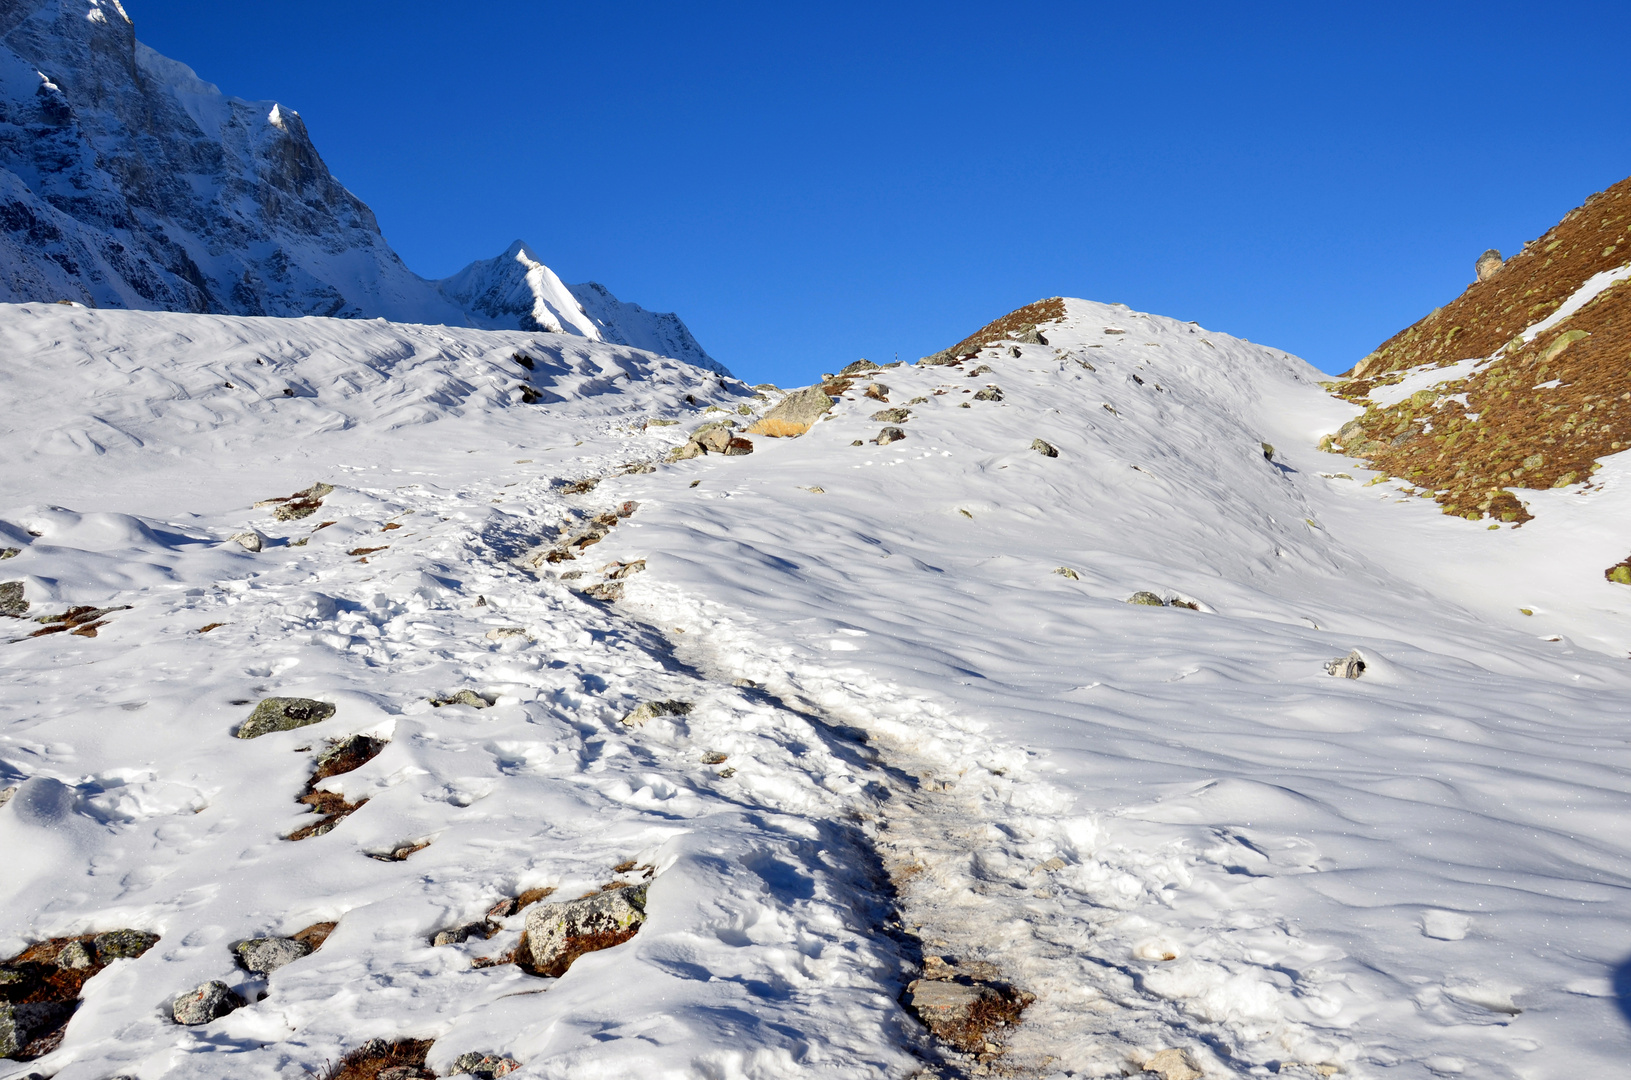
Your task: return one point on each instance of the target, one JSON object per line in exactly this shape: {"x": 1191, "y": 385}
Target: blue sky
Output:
{"x": 809, "y": 184}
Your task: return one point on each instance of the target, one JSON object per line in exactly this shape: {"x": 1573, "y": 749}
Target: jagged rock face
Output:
{"x": 127, "y": 181}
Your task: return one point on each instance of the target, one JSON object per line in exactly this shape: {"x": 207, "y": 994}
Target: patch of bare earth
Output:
{"x": 1538, "y": 414}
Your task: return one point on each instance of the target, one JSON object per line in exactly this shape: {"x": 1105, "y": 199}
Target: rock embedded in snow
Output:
{"x": 558, "y": 933}
{"x": 483, "y": 1066}
{"x": 651, "y": 710}
{"x": 891, "y": 416}
{"x": 889, "y": 435}
{"x": 1146, "y": 599}
{"x": 262, "y": 956}
{"x": 990, "y": 393}
{"x": 302, "y": 504}
{"x": 122, "y": 944}
{"x": 463, "y": 697}
{"x": 1346, "y": 667}
{"x": 12, "y": 603}
{"x": 205, "y": 1003}
{"x": 876, "y": 391}
{"x": 738, "y": 447}
{"x": 1046, "y": 449}
{"x": 76, "y": 956}
{"x": 1067, "y": 572}
{"x": 795, "y": 414}
{"x": 860, "y": 367}
{"x": 458, "y": 935}
{"x": 1173, "y": 1064}
{"x": 284, "y": 714}
{"x": 21, "y": 1022}
{"x": 249, "y": 541}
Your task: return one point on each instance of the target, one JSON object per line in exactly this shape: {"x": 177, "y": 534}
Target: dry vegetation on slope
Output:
{"x": 1014, "y": 325}
{"x": 1539, "y": 413}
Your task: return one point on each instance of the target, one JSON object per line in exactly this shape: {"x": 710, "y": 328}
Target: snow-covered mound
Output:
{"x": 903, "y": 737}
{"x": 128, "y": 182}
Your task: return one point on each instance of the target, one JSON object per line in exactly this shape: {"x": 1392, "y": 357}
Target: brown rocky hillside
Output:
{"x": 1539, "y": 408}
{"x": 1016, "y": 325}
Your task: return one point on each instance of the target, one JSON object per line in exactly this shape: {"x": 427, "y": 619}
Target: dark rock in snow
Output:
{"x": 889, "y": 435}
{"x": 211, "y": 1001}
{"x": 12, "y": 603}
{"x": 990, "y": 393}
{"x": 483, "y": 1066}
{"x": 123, "y": 944}
{"x": 284, "y": 714}
{"x": 1146, "y": 599}
{"x": 21, "y": 1022}
{"x": 1043, "y": 448}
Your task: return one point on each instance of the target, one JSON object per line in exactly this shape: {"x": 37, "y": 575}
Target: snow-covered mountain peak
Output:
{"x": 127, "y": 181}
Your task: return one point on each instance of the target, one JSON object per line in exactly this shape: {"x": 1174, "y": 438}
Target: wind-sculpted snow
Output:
{"x": 882, "y": 728}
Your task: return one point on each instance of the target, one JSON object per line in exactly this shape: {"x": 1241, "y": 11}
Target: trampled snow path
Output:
{"x": 1167, "y": 824}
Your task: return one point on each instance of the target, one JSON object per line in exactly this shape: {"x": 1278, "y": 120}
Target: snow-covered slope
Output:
{"x": 128, "y": 182}
{"x": 910, "y": 737}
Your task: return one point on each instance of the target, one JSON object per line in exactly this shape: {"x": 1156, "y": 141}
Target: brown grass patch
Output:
{"x": 778, "y": 429}
{"x": 211, "y": 626}
{"x": 1020, "y": 321}
{"x": 33, "y": 977}
{"x": 375, "y": 1056}
{"x": 338, "y": 758}
{"x": 1509, "y": 434}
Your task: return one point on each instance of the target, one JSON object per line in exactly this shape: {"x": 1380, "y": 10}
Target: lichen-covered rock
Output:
{"x": 1146, "y": 599}
{"x": 795, "y": 414}
{"x": 265, "y": 955}
{"x": 250, "y": 541}
{"x": 651, "y": 710}
{"x": 557, "y": 934}
{"x": 123, "y": 944}
{"x": 21, "y": 1022}
{"x": 892, "y": 416}
{"x": 284, "y": 714}
{"x": 11, "y": 599}
{"x": 463, "y": 697}
{"x": 1044, "y": 448}
{"x": 483, "y": 1066}
{"x": 990, "y": 393}
{"x": 200, "y": 1005}
{"x": 77, "y": 956}
{"x": 1067, "y": 572}
{"x": 889, "y": 435}
{"x": 860, "y": 367}
{"x": 458, "y": 935}
{"x": 1346, "y": 667}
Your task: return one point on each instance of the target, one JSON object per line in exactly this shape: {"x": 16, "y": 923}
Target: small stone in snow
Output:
{"x": 284, "y": 714}
{"x": 1146, "y": 599}
{"x": 891, "y": 416}
{"x": 889, "y": 435}
{"x": 1346, "y": 667}
{"x": 1045, "y": 449}
{"x": 650, "y": 710}
{"x": 211, "y": 1001}
{"x": 1065, "y": 571}
{"x": 249, "y": 541}
{"x": 265, "y": 955}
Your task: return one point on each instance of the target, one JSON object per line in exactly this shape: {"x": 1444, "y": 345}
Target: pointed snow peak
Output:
{"x": 516, "y": 291}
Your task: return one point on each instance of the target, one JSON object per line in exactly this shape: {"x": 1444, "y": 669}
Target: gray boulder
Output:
{"x": 892, "y": 416}
{"x": 250, "y": 541}
{"x": 77, "y": 956}
{"x": 651, "y": 710}
{"x": 265, "y": 955}
{"x": 1488, "y": 264}
{"x": 990, "y": 393}
{"x": 796, "y": 413}
{"x": 941, "y": 1004}
{"x": 1346, "y": 667}
{"x": 1044, "y": 448}
{"x": 558, "y": 934}
{"x": 211, "y": 1001}
{"x": 11, "y": 599}
{"x": 889, "y": 435}
{"x": 284, "y": 714}
{"x": 1146, "y": 599}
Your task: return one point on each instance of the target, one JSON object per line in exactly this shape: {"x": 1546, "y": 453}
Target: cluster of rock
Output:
{"x": 574, "y": 540}
{"x": 40, "y": 987}
{"x": 715, "y": 437}
{"x": 302, "y": 504}
{"x": 1144, "y": 598}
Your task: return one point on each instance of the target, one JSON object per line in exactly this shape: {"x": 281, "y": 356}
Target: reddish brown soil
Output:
{"x": 331, "y": 805}
{"x": 1522, "y": 437}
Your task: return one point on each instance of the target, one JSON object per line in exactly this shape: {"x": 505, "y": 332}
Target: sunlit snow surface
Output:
{"x": 1418, "y": 873}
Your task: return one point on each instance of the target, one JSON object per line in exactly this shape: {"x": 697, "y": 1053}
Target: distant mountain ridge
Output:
{"x": 126, "y": 181}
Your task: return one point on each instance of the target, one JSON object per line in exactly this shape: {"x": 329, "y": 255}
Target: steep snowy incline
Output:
{"x": 1171, "y": 824}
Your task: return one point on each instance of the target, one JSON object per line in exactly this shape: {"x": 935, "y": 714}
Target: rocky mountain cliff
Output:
{"x": 126, "y": 181}
{"x": 1518, "y": 383}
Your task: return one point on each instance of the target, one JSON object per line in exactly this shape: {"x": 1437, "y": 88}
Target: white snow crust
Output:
{"x": 1170, "y": 825}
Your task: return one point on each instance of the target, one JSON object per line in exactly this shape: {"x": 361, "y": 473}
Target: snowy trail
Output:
{"x": 1168, "y": 825}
